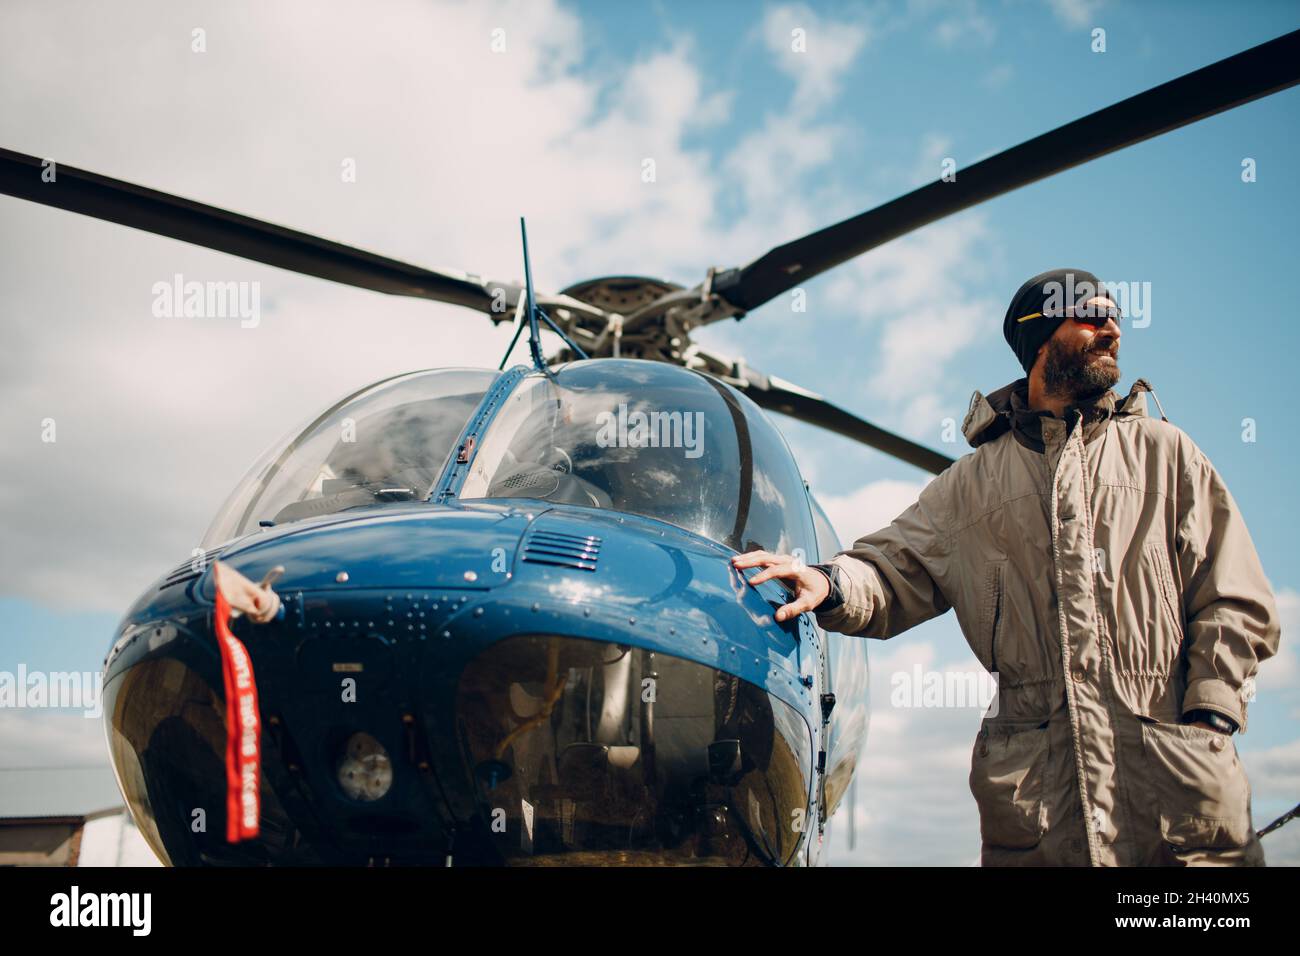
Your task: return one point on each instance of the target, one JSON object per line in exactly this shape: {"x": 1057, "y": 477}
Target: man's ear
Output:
{"x": 1038, "y": 359}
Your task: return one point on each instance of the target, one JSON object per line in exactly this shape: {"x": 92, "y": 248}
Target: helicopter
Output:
{"x": 505, "y": 625}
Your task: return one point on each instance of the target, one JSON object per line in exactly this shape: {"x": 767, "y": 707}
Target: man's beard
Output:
{"x": 1078, "y": 374}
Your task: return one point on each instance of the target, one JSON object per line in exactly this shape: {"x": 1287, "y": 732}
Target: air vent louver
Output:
{"x": 190, "y": 569}
{"x": 563, "y": 550}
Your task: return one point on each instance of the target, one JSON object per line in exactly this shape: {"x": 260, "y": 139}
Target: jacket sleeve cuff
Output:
{"x": 1208, "y": 693}
{"x": 834, "y": 597}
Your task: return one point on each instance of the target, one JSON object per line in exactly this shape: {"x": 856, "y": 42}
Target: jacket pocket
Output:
{"x": 1170, "y": 602}
{"x": 1200, "y": 789}
{"x": 991, "y": 613}
{"x": 1008, "y": 768}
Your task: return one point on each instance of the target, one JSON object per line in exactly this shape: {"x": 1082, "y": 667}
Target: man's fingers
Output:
{"x": 268, "y": 605}
{"x": 776, "y": 571}
{"x": 261, "y": 604}
{"x": 794, "y": 608}
{"x": 781, "y": 566}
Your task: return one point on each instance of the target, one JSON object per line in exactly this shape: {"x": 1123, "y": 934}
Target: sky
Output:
{"x": 459, "y": 118}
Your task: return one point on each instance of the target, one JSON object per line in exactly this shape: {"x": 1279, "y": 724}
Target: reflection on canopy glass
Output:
{"x": 387, "y": 442}
{"x": 598, "y": 754}
{"x": 650, "y": 439}
{"x": 167, "y": 740}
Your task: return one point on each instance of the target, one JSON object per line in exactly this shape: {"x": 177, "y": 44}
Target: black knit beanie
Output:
{"x": 1026, "y": 328}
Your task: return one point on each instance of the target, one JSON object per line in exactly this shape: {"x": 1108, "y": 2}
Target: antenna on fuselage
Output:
{"x": 528, "y": 309}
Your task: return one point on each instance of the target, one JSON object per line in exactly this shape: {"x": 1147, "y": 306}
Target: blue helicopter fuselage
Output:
{"x": 495, "y": 679}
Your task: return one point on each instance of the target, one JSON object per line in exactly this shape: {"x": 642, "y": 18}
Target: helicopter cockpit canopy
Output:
{"x": 386, "y": 442}
{"x": 649, "y": 439}
{"x": 624, "y": 435}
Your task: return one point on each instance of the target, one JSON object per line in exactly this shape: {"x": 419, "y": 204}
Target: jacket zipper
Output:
{"x": 997, "y": 620}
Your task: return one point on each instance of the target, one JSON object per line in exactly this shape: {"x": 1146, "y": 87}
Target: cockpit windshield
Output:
{"x": 650, "y": 439}
{"x": 387, "y": 442}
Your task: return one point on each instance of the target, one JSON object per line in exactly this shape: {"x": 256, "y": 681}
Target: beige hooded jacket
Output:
{"x": 1109, "y": 582}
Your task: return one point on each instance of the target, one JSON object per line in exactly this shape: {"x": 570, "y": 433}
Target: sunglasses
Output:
{"x": 1095, "y": 316}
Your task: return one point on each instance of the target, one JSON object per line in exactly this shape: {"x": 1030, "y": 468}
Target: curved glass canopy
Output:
{"x": 624, "y": 435}
{"x": 386, "y": 442}
{"x": 649, "y": 439}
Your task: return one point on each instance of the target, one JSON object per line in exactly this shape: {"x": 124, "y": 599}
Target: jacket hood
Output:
{"x": 1008, "y": 407}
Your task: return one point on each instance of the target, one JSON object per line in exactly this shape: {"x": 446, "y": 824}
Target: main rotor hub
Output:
{"x": 621, "y": 294}
{"x": 620, "y": 297}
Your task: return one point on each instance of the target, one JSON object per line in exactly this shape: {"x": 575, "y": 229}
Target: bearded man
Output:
{"x": 1099, "y": 567}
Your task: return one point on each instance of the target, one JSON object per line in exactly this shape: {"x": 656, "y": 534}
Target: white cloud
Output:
{"x": 156, "y": 419}
{"x": 957, "y": 23}
{"x": 43, "y": 738}
{"x": 999, "y": 76}
{"x": 913, "y": 803}
{"x": 935, "y": 148}
{"x": 1075, "y": 13}
{"x": 767, "y": 164}
{"x": 1282, "y": 670}
{"x": 935, "y": 420}
{"x": 871, "y": 507}
{"x": 919, "y": 291}
{"x": 970, "y": 25}
{"x": 1275, "y": 782}
{"x": 813, "y": 50}
{"x": 1276, "y": 769}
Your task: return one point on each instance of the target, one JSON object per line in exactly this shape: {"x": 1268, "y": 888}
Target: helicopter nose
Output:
{"x": 600, "y": 753}
{"x": 531, "y": 718}
{"x": 540, "y": 749}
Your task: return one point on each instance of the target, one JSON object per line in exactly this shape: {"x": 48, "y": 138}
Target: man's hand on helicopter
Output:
{"x": 809, "y": 585}
{"x": 257, "y": 601}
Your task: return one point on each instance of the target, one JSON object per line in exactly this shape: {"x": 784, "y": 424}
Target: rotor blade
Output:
{"x": 777, "y": 395}
{"x": 1239, "y": 79}
{"x": 116, "y": 201}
